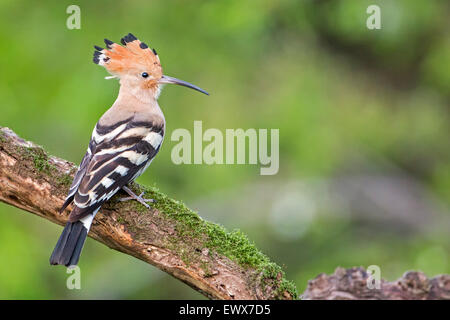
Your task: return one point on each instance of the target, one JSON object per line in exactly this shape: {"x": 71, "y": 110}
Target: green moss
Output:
{"x": 206, "y": 269}
{"x": 235, "y": 245}
{"x": 64, "y": 179}
{"x": 139, "y": 207}
{"x": 186, "y": 257}
{"x": 287, "y": 286}
{"x": 42, "y": 164}
{"x": 2, "y": 137}
{"x": 120, "y": 220}
{"x": 40, "y": 159}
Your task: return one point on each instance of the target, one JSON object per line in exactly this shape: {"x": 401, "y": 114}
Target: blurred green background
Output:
{"x": 363, "y": 115}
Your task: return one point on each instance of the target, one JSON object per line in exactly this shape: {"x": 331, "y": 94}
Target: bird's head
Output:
{"x": 136, "y": 65}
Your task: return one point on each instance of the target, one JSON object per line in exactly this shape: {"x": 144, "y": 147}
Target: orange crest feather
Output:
{"x": 134, "y": 56}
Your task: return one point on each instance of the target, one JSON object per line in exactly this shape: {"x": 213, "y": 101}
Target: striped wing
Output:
{"x": 76, "y": 181}
{"x": 116, "y": 156}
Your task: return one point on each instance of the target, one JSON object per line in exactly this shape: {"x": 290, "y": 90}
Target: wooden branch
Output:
{"x": 217, "y": 263}
{"x": 351, "y": 284}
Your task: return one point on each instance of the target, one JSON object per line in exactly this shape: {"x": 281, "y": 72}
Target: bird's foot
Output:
{"x": 138, "y": 198}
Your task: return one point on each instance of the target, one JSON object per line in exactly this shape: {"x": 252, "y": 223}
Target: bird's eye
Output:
{"x": 144, "y": 74}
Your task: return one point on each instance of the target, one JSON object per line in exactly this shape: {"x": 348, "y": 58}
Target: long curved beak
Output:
{"x": 170, "y": 80}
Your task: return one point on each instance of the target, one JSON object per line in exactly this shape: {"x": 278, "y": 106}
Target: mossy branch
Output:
{"x": 213, "y": 261}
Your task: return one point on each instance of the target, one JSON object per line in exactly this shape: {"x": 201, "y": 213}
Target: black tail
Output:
{"x": 69, "y": 245}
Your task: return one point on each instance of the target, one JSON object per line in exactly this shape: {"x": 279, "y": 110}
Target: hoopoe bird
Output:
{"x": 124, "y": 141}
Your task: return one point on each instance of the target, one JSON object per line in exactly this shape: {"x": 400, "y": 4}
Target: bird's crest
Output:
{"x": 133, "y": 56}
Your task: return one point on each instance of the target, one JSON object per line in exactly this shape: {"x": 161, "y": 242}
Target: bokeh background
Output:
{"x": 363, "y": 116}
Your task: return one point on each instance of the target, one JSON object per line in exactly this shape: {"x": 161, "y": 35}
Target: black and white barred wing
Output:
{"x": 77, "y": 180}
{"x": 116, "y": 160}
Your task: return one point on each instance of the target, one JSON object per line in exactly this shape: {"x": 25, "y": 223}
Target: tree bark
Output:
{"x": 352, "y": 284}
{"x": 217, "y": 263}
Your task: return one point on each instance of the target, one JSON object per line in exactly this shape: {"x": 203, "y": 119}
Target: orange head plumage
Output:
{"x": 135, "y": 64}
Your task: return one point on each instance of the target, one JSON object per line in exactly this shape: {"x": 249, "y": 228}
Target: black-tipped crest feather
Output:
{"x": 128, "y": 38}
{"x": 108, "y": 43}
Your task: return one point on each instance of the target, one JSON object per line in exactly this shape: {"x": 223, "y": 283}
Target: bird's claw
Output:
{"x": 139, "y": 199}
